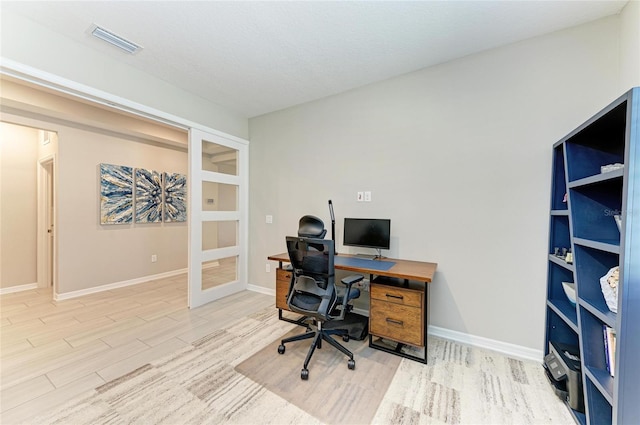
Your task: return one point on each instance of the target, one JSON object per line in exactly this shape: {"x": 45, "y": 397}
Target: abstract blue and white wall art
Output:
{"x": 116, "y": 194}
{"x": 148, "y": 196}
{"x": 175, "y": 197}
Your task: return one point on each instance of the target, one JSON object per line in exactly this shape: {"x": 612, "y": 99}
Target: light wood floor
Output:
{"x": 52, "y": 351}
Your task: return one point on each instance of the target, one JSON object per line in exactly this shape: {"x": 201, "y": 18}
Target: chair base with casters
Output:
{"x": 319, "y": 335}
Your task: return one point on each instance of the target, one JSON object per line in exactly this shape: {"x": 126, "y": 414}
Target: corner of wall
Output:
{"x": 630, "y": 45}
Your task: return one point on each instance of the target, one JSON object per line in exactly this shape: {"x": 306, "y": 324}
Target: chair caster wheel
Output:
{"x": 304, "y": 375}
{"x": 351, "y": 364}
{"x": 345, "y": 338}
{"x": 280, "y": 349}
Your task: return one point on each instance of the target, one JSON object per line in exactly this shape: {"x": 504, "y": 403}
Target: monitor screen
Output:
{"x": 367, "y": 232}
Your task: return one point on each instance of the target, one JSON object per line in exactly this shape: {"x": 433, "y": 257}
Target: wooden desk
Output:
{"x": 398, "y": 301}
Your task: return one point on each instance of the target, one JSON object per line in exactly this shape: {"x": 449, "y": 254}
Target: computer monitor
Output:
{"x": 367, "y": 232}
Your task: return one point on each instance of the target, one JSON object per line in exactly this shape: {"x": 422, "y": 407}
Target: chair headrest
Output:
{"x": 311, "y": 227}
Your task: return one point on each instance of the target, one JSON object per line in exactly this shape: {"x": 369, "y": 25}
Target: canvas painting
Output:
{"x": 116, "y": 194}
{"x": 175, "y": 197}
{"x": 148, "y": 196}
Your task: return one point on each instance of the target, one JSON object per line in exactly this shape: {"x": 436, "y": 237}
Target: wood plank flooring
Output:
{"x": 52, "y": 351}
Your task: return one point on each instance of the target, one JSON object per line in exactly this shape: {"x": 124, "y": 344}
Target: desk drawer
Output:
{"x": 397, "y": 322}
{"x": 283, "y": 278}
{"x": 282, "y": 274}
{"x": 395, "y": 295}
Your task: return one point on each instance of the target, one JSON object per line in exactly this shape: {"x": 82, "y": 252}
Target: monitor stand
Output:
{"x": 377, "y": 256}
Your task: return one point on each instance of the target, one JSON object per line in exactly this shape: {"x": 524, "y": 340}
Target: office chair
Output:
{"x": 313, "y": 292}
{"x": 309, "y": 226}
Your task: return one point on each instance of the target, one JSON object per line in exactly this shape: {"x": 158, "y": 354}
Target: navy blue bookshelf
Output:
{"x": 584, "y": 201}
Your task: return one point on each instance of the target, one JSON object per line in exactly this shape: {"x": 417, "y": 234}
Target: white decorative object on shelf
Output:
{"x": 570, "y": 291}
{"x": 618, "y": 219}
{"x": 611, "y": 167}
{"x": 609, "y": 286}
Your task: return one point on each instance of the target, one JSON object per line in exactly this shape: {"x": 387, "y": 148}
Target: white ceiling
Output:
{"x": 258, "y": 57}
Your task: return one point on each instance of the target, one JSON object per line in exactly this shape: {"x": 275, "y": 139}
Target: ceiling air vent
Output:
{"x": 114, "y": 39}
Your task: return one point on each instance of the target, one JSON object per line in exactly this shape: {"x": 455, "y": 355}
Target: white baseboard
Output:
{"x": 102, "y": 288}
{"x": 18, "y": 288}
{"x": 261, "y": 289}
{"x": 512, "y": 350}
{"x": 210, "y": 264}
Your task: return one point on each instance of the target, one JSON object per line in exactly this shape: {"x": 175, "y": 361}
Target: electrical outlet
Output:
{"x": 269, "y": 219}
{"x": 267, "y": 268}
{"x": 367, "y": 196}
{"x": 154, "y": 258}
{"x": 360, "y": 196}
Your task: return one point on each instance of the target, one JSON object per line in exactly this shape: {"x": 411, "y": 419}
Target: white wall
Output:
{"x": 457, "y": 156}
{"x": 90, "y": 254}
{"x": 630, "y": 45}
{"x": 31, "y": 44}
{"x": 18, "y": 212}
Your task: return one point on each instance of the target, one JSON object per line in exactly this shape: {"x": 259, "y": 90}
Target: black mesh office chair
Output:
{"x": 313, "y": 292}
{"x": 309, "y": 226}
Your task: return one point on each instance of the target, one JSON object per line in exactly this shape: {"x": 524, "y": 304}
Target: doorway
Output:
{"x": 46, "y": 219}
{"x": 228, "y": 258}
{"x": 28, "y": 205}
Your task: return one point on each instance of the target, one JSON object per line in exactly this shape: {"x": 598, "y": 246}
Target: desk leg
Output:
{"x": 427, "y": 317}
{"x": 398, "y": 350}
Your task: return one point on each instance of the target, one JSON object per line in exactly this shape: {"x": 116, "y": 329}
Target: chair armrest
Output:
{"x": 350, "y": 280}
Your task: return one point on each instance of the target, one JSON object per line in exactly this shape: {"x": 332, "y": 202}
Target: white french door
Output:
{"x": 218, "y": 203}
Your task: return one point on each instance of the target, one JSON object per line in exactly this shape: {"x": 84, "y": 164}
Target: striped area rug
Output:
{"x": 236, "y": 376}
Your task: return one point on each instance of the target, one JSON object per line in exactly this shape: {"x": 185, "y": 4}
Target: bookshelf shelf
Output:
{"x": 585, "y": 198}
{"x": 607, "y": 245}
{"x": 559, "y": 261}
{"x": 599, "y": 309}
{"x": 601, "y": 379}
{"x": 566, "y": 311}
{"x": 598, "y": 178}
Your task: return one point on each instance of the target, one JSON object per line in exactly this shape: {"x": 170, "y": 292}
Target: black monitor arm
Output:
{"x": 333, "y": 227}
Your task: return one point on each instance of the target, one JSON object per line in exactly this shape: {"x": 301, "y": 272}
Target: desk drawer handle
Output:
{"x": 395, "y": 322}
{"x": 395, "y": 296}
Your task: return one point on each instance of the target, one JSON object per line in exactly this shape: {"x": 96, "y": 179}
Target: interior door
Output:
{"x": 46, "y": 264}
{"x": 50, "y": 220}
{"x": 218, "y": 202}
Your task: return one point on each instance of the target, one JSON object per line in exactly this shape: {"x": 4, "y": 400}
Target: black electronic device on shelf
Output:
{"x": 563, "y": 370}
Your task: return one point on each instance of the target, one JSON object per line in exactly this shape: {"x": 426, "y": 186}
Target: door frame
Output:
{"x": 59, "y": 84}
{"x": 46, "y": 251}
